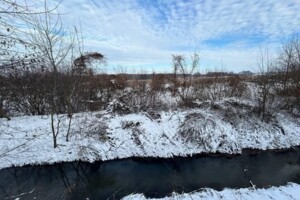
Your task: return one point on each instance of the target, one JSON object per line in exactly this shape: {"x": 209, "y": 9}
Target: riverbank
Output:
{"x": 227, "y": 127}
{"x": 290, "y": 191}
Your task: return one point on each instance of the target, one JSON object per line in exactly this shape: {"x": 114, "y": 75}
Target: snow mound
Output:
{"x": 290, "y": 191}
{"x": 205, "y": 130}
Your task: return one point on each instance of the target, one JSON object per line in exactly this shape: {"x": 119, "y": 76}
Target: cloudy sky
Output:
{"x": 143, "y": 34}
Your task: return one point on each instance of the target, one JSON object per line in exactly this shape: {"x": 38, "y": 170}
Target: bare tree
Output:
{"x": 288, "y": 68}
{"x": 16, "y": 52}
{"x": 78, "y": 70}
{"x": 13, "y": 44}
{"x": 265, "y": 65}
{"x": 55, "y": 46}
{"x": 185, "y": 71}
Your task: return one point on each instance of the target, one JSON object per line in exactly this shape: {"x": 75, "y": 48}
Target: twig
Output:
{"x": 22, "y": 194}
{"x": 121, "y": 188}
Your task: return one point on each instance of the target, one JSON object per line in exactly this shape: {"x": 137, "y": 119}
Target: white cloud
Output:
{"x": 144, "y": 32}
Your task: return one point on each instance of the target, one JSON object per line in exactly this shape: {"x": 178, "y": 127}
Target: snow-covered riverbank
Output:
{"x": 226, "y": 128}
{"x": 290, "y": 191}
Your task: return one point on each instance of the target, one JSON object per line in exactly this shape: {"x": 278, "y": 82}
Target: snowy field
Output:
{"x": 288, "y": 192}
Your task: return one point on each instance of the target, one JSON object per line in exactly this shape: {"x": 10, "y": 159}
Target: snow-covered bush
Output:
{"x": 92, "y": 128}
{"x": 244, "y": 117}
{"x": 204, "y": 130}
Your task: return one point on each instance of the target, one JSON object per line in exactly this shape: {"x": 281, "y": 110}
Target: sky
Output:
{"x": 142, "y": 35}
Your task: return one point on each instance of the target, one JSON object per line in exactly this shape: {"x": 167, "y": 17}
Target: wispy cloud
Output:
{"x": 147, "y": 32}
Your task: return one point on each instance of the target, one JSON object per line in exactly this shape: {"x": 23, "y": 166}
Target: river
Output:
{"x": 153, "y": 177}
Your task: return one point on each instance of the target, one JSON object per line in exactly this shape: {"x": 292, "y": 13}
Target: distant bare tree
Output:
{"x": 185, "y": 71}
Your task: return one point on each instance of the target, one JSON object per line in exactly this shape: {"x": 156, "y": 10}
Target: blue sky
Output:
{"x": 143, "y": 34}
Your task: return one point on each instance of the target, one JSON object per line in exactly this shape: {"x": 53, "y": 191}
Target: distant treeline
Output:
{"x": 146, "y": 76}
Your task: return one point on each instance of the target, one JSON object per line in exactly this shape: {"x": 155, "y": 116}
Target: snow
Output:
{"x": 227, "y": 126}
{"x": 106, "y": 135}
{"x": 290, "y": 191}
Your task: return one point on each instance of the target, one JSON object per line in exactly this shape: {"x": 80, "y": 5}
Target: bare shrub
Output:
{"x": 243, "y": 117}
{"x": 92, "y": 128}
{"x": 141, "y": 101}
{"x": 236, "y": 86}
{"x": 216, "y": 87}
{"x": 119, "y": 106}
{"x": 28, "y": 90}
{"x": 157, "y": 82}
{"x": 142, "y": 96}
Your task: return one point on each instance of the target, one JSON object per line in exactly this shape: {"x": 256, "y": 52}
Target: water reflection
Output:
{"x": 153, "y": 177}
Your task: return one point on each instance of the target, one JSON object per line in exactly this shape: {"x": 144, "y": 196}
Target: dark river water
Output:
{"x": 153, "y": 177}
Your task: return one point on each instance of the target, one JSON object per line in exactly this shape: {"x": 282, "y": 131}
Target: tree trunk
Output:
{"x": 53, "y": 130}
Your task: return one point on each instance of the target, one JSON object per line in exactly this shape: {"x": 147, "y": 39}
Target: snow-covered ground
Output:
{"x": 227, "y": 127}
{"x": 290, "y": 191}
